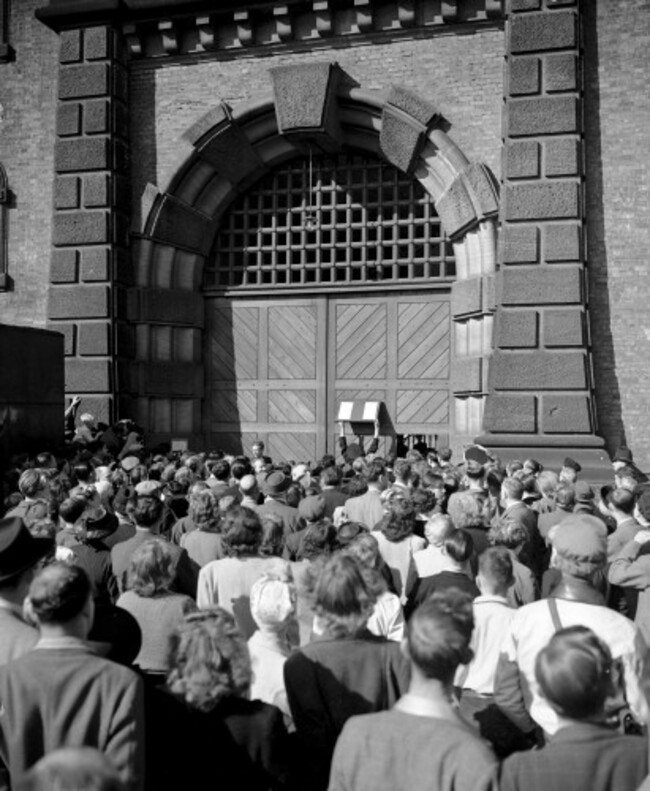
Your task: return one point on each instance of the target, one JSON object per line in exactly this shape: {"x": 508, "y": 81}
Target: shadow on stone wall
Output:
{"x": 144, "y": 164}
{"x": 608, "y": 397}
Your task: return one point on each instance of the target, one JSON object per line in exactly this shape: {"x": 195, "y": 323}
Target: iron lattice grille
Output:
{"x": 334, "y": 220}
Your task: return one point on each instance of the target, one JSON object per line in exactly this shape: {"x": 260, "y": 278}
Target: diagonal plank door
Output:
{"x": 394, "y": 348}
{"x": 267, "y": 376}
{"x": 279, "y": 368}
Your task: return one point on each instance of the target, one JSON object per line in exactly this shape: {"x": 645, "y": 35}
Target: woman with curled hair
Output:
{"x": 227, "y": 582}
{"x": 422, "y": 736}
{"x": 202, "y": 722}
{"x": 387, "y": 618}
{"x": 513, "y": 536}
{"x": 204, "y": 543}
{"x": 195, "y": 506}
{"x": 577, "y": 676}
{"x": 347, "y": 671}
{"x": 272, "y": 543}
{"x": 149, "y": 599}
{"x": 397, "y": 544}
{"x": 467, "y": 513}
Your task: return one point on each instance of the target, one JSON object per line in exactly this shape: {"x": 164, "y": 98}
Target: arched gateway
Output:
{"x": 337, "y": 246}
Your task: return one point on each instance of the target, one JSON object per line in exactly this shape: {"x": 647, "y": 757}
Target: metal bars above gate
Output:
{"x": 331, "y": 221}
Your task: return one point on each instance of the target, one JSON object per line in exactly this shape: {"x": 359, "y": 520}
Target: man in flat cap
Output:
{"x": 579, "y": 554}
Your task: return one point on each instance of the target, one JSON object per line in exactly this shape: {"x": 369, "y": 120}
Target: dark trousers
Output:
{"x": 483, "y": 713}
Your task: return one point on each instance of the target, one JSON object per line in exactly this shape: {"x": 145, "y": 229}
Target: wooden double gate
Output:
{"x": 278, "y": 368}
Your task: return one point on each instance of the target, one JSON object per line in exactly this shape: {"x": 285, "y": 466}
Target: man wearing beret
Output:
{"x": 579, "y": 553}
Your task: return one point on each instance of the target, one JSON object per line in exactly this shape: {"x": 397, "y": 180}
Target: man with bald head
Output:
{"x": 250, "y": 492}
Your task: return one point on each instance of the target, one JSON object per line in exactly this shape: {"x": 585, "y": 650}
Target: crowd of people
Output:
{"x": 353, "y": 623}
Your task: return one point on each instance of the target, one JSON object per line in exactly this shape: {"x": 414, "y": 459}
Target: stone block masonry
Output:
{"x": 91, "y": 209}
{"x": 540, "y": 386}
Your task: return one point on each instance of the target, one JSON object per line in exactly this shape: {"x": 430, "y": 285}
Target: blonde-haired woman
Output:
{"x": 158, "y": 611}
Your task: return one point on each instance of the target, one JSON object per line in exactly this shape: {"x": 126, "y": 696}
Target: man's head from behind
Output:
{"x": 495, "y": 571}
{"x": 512, "y": 490}
{"x": 438, "y": 635}
{"x": 621, "y": 502}
{"x": 34, "y": 483}
{"x": 574, "y": 672}
{"x": 148, "y": 512}
{"x": 437, "y": 529}
{"x": 60, "y": 594}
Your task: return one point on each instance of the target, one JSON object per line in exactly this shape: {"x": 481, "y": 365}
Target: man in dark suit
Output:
{"x": 367, "y": 508}
{"x": 148, "y": 516}
{"x": 565, "y": 500}
{"x": 273, "y": 488}
{"x": 330, "y": 480}
{"x": 19, "y": 555}
{"x": 61, "y": 693}
{"x": 533, "y": 552}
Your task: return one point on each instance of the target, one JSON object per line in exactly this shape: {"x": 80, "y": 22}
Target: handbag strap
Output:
{"x": 555, "y": 615}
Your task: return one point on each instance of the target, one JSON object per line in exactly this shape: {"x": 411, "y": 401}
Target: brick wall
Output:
{"x": 28, "y": 88}
{"x": 617, "y": 124}
{"x": 461, "y": 75}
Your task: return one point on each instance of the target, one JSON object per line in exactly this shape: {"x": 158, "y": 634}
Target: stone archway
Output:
{"x": 225, "y": 152}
